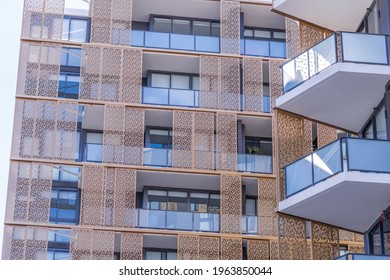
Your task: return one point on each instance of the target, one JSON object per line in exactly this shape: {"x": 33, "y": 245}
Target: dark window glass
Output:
{"x": 181, "y": 26}
{"x": 162, "y": 25}
{"x": 157, "y": 200}
{"x": 64, "y": 206}
{"x": 215, "y": 29}
{"x": 75, "y": 29}
{"x": 57, "y": 254}
{"x": 160, "y": 138}
{"x": 68, "y": 85}
{"x": 375, "y": 240}
{"x": 199, "y": 202}
{"x": 202, "y": 28}
{"x": 160, "y": 255}
{"x": 70, "y": 57}
{"x": 177, "y": 201}
{"x": 386, "y": 235}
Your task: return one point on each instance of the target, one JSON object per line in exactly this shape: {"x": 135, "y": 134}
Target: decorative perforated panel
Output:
{"x": 204, "y": 140}
{"x": 25, "y": 243}
{"x": 183, "y": 139}
{"x": 123, "y": 135}
{"x": 310, "y": 36}
{"x": 325, "y": 241}
{"x": 274, "y": 250}
{"x": 325, "y": 135}
{"x": 275, "y": 81}
{"x": 111, "y": 22}
{"x": 131, "y": 246}
{"x": 114, "y": 126}
{"x": 230, "y": 84}
{"x": 187, "y": 247}
{"x": 43, "y": 19}
{"x": 267, "y": 205}
{"x": 356, "y": 249}
{"x": 81, "y": 244}
{"x": 103, "y": 245}
{"x": 252, "y": 84}
{"x": 29, "y": 192}
{"x": 101, "y": 21}
{"x": 226, "y": 141}
{"x": 209, "y": 248}
{"x": 210, "y": 82}
{"x": 231, "y": 204}
{"x": 308, "y": 136}
{"x": 345, "y": 235}
{"x": 258, "y": 250}
{"x": 45, "y": 129}
{"x": 293, "y": 38}
{"x": 92, "y": 203}
{"x": 230, "y": 27}
{"x": 231, "y": 248}
{"x": 290, "y": 142}
{"x": 292, "y": 238}
{"x": 111, "y": 74}
{"x": 39, "y": 69}
{"x": 124, "y": 199}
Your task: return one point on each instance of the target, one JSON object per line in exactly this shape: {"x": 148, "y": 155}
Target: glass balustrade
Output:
{"x": 254, "y": 163}
{"x": 158, "y": 157}
{"x": 171, "y": 97}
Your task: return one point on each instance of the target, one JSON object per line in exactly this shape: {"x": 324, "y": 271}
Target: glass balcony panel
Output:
{"x": 137, "y": 38}
{"x": 324, "y": 54}
{"x": 155, "y": 95}
{"x": 278, "y": 49}
{"x": 257, "y": 47}
{"x": 179, "y": 220}
{"x": 299, "y": 175}
{"x": 243, "y": 225}
{"x": 157, "y": 40}
{"x": 266, "y": 104}
{"x": 93, "y": 152}
{"x": 180, "y": 97}
{"x": 327, "y": 161}
{"x": 207, "y": 44}
{"x": 368, "y": 155}
{"x": 158, "y": 157}
{"x": 206, "y": 222}
{"x": 182, "y": 42}
{"x": 364, "y": 48}
{"x": 151, "y": 218}
{"x": 254, "y": 163}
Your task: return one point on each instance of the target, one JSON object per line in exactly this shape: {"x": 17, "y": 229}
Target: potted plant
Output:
{"x": 254, "y": 150}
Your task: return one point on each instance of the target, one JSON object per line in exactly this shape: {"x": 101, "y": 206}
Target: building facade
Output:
{"x": 150, "y": 129}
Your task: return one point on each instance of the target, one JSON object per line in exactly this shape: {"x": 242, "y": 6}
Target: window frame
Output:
{"x": 67, "y": 186}
{"x": 271, "y": 30}
{"x": 190, "y": 75}
{"x": 88, "y": 28}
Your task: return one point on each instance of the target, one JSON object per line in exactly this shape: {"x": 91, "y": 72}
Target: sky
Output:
{"x": 10, "y": 28}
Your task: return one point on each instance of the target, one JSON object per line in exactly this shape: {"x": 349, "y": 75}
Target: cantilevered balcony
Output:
{"x": 338, "y": 81}
{"x": 363, "y": 257}
{"x": 346, "y": 184}
{"x": 331, "y": 14}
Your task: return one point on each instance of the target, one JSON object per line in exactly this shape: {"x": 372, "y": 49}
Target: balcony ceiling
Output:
{"x": 350, "y": 200}
{"x": 337, "y": 15}
{"x": 343, "y": 95}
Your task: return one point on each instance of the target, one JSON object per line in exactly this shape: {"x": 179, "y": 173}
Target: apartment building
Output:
{"x": 151, "y": 129}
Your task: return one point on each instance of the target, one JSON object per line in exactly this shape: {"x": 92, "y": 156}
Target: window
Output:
{"x": 58, "y": 245}
{"x": 183, "y": 201}
{"x": 93, "y": 146}
{"x": 75, "y": 29}
{"x": 251, "y": 207}
{"x": 264, "y": 34}
{"x": 379, "y": 236}
{"x": 68, "y": 85}
{"x": 377, "y": 125}
{"x": 160, "y": 138}
{"x": 186, "y": 26}
{"x": 57, "y": 254}
{"x": 160, "y": 255}
{"x": 264, "y": 145}
{"x": 71, "y": 57}
{"x": 174, "y": 81}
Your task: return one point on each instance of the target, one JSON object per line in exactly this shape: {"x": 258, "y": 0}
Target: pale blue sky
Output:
{"x": 10, "y": 27}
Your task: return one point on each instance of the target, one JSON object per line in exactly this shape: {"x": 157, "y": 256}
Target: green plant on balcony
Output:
{"x": 254, "y": 150}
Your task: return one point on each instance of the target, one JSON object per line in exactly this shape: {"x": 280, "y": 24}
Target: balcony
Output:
{"x": 173, "y": 41}
{"x": 346, "y": 184}
{"x": 158, "y": 157}
{"x": 170, "y": 97}
{"x": 331, "y": 14}
{"x": 263, "y": 48}
{"x": 254, "y": 163}
{"x": 175, "y": 220}
{"x": 353, "y": 257}
{"x": 250, "y": 225}
{"x": 337, "y": 75}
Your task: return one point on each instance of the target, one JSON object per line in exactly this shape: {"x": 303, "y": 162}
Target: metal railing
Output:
{"x": 354, "y": 154}
{"x": 339, "y": 47}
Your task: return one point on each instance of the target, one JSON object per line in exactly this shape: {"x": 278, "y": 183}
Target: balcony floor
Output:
{"x": 343, "y": 95}
{"x": 350, "y": 200}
